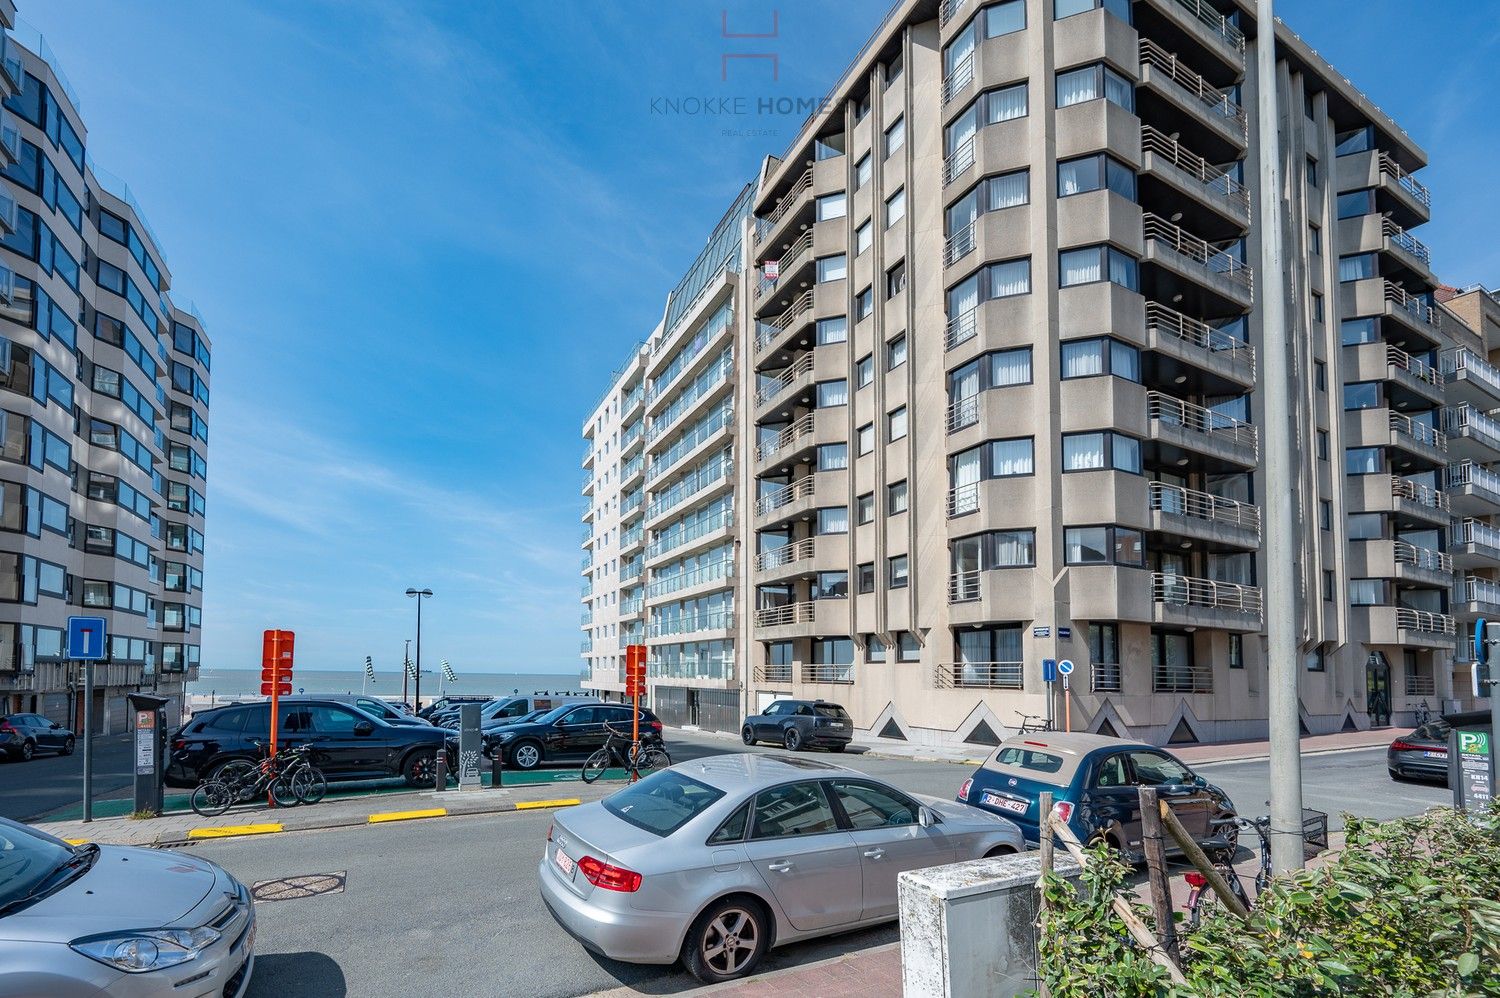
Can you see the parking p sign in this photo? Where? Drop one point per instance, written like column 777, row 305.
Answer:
column 86, row 639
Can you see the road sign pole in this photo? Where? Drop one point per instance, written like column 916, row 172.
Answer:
column 88, row 741
column 1067, row 705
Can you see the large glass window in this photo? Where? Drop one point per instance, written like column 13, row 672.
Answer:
column 1100, row 356
column 1357, row 267
column 833, row 457
column 833, row 520
column 1364, row 526
column 1358, row 140
column 895, row 208
column 1103, row 546
column 1353, row 204
column 1093, row 264
column 1067, row 8
column 832, row 268
column 989, row 108
column 1092, row 173
column 1093, row 82
column 896, row 424
column 1362, row 395
column 1094, row 451
column 834, row 329
column 995, row 549
column 1362, row 330
column 897, row 572
column 831, row 206
column 895, row 136
column 1366, row 592
column 1364, row 460
column 833, row 393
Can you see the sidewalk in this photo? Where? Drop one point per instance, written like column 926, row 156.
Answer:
column 181, row 828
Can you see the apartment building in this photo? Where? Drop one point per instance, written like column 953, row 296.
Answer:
column 1003, row 340
column 105, row 418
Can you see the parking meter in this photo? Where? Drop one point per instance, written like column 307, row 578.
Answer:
column 150, row 744
column 468, row 746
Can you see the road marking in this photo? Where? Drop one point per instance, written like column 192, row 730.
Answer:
column 1305, row 754
column 527, row 805
column 433, row 812
column 76, row 842
column 226, row 831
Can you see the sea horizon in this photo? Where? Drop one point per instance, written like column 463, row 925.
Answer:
column 246, row 682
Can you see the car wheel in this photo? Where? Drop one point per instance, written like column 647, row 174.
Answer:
column 747, row 735
column 28, row 749
column 727, row 941
column 67, row 747
column 527, row 755
column 792, row 739
column 999, row 851
column 420, row 769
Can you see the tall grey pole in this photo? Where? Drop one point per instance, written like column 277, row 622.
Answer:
column 88, row 741
column 1281, row 558
column 417, row 696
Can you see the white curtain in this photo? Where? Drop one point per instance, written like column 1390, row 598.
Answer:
column 1119, row 90
column 1083, row 451
column 1003, row 105
column 961, row 48
column 1011, row 457
column 833, row 330
column 1009, row 190
column 1013, row 278
column 965, row 383
column 1012, row 547
column 831, row 393
column 966, row 469
column 1082, row 358
column 1078, row 176
column 964, row 298
column 1010, row 367
column 1124, row 361
column 1081, row 266
column 833, row 520
column 1077, row 86
column 831, row 268
column 959, row 133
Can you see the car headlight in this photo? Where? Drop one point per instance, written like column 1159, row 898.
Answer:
column 504, row 736
column 154, row 949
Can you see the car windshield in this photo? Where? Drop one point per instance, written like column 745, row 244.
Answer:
column 663, row 802
column 26, row 860
column 1029, row 759
column 831, row 710
column 555, row 713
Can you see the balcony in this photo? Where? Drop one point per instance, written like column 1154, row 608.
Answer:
column 959, row 80
column 787, row 615
column 788, row 443
column 1167, row 160
column 1183, row 254
column 963, row 500
column 689, row 536
column 1206, row 358
column 957, row 163
column 1476, row 597
column 630, row 608
column 1415, row 502
column 1399, row 625
column 1404, row 186
column 787, row 209
column 632, row 502
column 795, row 378
column 631, row 571
column 1182, row 428
column 1471, row 489
column 789, row 501
column 717, row 621
column 1415, row 439
column 1401, row 243
column 782, row 561
column 632, row 402
column 706, row 385
column 815, row 672
column 710, row 428
column 948, row 9
column 630, row 469
column 1412, row 311
column 1191, row 602
column 1421, row 566
column 714, row 575
column 780, row 333
column 633, row 437
column 1471, row 379
column 631, row 539
column 693, row 486
column 959, row 245
column 588, row 483
column 1177, row 96
column 1474, row 544
column 1200, row 20
column 979, row 675
column 778, row 675
column 1202, row 516
column 792, row 258
column 10, row 139
column 1472, row 435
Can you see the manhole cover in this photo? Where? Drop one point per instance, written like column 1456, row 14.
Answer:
column 306, row 886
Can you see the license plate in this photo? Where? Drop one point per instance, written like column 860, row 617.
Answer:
column 837, row 724
column 1435, row 755
column 1004, row 803
column 564, row 863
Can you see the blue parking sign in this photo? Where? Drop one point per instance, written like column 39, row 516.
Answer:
column 86, row 639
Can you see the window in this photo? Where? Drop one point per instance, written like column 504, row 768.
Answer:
column 995, row 549
column 1067, row 8
column 1152, row 769
column 1104, row 657
column 829, row 146
column 733, row 828
column 1353, row 332
column 1315, row 660
column 1364, row 526
column 864, row 304
column 895, row 498
column 832, row 268
column 1357, row 267
column 895, row 424
column 1093, row 173
column 665, row 801
column 833, row 457
column 989, row 108
column 1312, row 169
column 866, row 576
column 1100, row 356
column 1322, row 441
column 833, row 393
column 1325, row 514
column 1328, row 585
column 1314, row 240
column 895, row 136
column 1007, row 190
column 863, row 237
column 861, row 107
column 862, row 172
column 893, row 68
column 895, row 208
column 895, row 280
column 1366, row 592
column 1317, row 307
column 1361, row 395
column 1097, row 263
column 1358, row 140
column 907, row 649
column 1353, row 204
column 834, row 329
column 1364, row 460
column 1092, row 451
column 1320, row 375
column 865, row 507
column 831, row 585
column 993, row 459
column 865, row 437
column 831, row 206
column 896, row 574
column 794, row 809
column 1088, row 83
column 864, row 371
column 998, row 280
column 895, row 353
column 833, row 520
column 1108, row 545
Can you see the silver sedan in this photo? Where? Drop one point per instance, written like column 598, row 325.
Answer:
column 715, row 861
column 90, row 921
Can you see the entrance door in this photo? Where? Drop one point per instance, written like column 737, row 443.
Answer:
column 692, row 708
column 1378, row 690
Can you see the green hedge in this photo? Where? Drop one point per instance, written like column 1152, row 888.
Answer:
column 1410, row 907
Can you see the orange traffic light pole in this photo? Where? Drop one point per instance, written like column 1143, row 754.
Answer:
column 635, row 679
column 276, row 665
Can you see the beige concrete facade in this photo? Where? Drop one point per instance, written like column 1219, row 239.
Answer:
column 105, row 419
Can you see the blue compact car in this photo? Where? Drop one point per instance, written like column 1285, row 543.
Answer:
column 1095, row 783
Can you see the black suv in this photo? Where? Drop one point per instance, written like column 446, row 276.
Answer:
column 348, row 744
column 798, row 724
column 569, row 733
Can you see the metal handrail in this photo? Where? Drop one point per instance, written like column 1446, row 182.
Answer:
column 1461, row 359
column 818, row 672
column 801, row 368
column 1165, row 409
column 787, row 263
column 768, row 331
column 963, row 500
column 789, row 199
column 963, row 412
column 948, row 9
column 1195, row 85
column 959, row 245
column 957, row 163
column 790, row 613
column 1420, row 432
column 787, row 554
column 689, row 487
column 1474, row 475
column 959, row 79
column 1400, row 360
column 687, row 535
column 708, row 620
column 965, row 587
column 1408, row 183
column 961, row 328
column 1213, row 179
column 802, row 488
column 1170, row 322
column 1183, row 590
column 786, row 438
column 1408, row 619
column 979, row 675
column 1472, row 531
column 1201, row 252
column 1464, row 417
column 712, row 572
column 1104, row 677
column 773, row 673
column 1424, row 558
column 1419, row 494
column 1472, row 589
column 1170, row 678
column 1162, row 497
column 1217, row 23
column 1412, row 305
column 1400, row 237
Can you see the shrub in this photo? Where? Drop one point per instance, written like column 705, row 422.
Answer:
column 1410, row 907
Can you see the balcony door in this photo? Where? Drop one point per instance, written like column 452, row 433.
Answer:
column 1378, row 690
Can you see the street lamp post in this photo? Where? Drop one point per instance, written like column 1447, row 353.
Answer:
column 420, row 595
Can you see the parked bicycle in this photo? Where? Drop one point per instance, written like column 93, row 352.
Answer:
column 288, row 777
column 1198, row 889
column 1035, row 722
column 620, row 750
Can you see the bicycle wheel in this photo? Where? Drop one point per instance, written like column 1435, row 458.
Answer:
column 282, row 793
column 212, row 799
column 239, row 775
column 651, row 757
column 309, row 784
column 595, row 766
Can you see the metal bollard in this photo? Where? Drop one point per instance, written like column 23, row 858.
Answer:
column 497, row 759
column 440, row 773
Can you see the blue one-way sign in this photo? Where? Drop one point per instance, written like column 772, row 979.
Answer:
column 86, row 639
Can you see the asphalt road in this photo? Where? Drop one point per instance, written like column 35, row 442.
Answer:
column 29, row 790
column 451, row 906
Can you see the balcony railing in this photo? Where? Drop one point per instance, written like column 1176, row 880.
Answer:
column 768, row 390
column 1419, row 494
column 686, row 535
column 781, row 616
column 632, row 502
column 963, row 412
column 965, row 587
column 963, row 500
column 786, row 439
column 1194, row 332
column 948, row 9
column 1185, row 591
column 787, row 554
column 1465, row 419
column 1423, row 558
column 1168, row 677
column 1183, row 243
column 959, row 79
column 1476, row 532
column 788, row 262
column 957, row 163
column 706, row 429
column 1399, row 360
column 689, row 487
column 1467, row 473
column 632, row 400
column 1407, row 182
column 785, row 204
column 631, row 571
column 820, row 673
column 1419, row 310
column 773, row 673
column 1178, row 501
column 1105, row 677
column 802, row 488
column 1215, row 22
column 1215, row 101
column 712, row 572
column 959, row 245
column 631, row 468
column 1214, row 180
column 1166, row 410
column 1420, row 432
column 1418, row 685
column 979, row 675
column 768, row 331
column 1405, row 240
column 1460, row 360
column 1423, row 620
column 631, row 607
column 630, row 436
column 1472, row 589
column 704, row 383
column 709, row 620
column 961, row 328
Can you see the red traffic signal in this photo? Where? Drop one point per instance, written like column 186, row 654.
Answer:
column 280, row 689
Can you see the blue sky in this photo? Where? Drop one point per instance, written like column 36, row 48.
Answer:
column 422, row 234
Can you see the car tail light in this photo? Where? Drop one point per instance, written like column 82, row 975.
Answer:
column 963, row 791
column 1401, row 746
column 1195, row 879
column 656, row 726
column 5, row 726
column 611, row 878
column 1063, row 810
